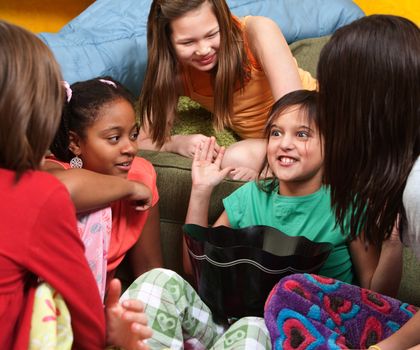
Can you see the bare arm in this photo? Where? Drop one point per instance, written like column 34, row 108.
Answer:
column 206, row 174
column 146, row 254
column 365, row 259
column 272, row 52
column 87, row 192
column 388, row 273
column 379, row 271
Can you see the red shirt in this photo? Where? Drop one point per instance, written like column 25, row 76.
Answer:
column 128, row 223
column 38, row 238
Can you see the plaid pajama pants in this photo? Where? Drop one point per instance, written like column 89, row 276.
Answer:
column 179, row 318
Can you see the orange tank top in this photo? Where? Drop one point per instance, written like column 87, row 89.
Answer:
column 251, row 105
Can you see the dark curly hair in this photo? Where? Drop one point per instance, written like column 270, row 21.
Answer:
column 87, row 99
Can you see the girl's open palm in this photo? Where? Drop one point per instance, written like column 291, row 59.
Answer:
column 206, row 171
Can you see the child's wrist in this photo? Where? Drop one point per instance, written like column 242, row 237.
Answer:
column 201, row 190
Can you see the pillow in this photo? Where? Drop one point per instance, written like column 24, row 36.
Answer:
column 235, row 269
column 109, row 37
column 301, row 19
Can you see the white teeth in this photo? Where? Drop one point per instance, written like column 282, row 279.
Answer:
column 287, row 160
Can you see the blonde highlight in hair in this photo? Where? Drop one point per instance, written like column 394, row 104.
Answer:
column 159, row 94
column 31, row 98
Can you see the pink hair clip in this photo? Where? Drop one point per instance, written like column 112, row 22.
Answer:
column 68, row 90
column 109, row 82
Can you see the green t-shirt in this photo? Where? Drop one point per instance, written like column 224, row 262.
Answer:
column 310, row 216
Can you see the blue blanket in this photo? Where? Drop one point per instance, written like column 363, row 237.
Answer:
column 109, row 37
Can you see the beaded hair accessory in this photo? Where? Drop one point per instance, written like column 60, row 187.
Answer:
column 68, row 90
column 108, row 82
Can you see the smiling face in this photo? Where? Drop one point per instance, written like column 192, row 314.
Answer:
column 294, row 153
column 110, row 143
column 196, row 38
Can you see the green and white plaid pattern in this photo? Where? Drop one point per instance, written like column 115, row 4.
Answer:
column 178, row 317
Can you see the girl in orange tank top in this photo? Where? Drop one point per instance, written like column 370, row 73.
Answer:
column 234, row 68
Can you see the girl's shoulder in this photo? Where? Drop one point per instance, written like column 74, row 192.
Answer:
column 142, row 165
column 254, row 28
column 142, row 170
column 254, row 24
column 34, row 184
column 52, row 162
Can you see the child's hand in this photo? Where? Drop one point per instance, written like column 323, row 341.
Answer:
column 126, row 323
column 185, row 145
column 205, row 171
column 141, row 196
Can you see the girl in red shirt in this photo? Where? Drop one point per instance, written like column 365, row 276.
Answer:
column 97, row 138
column 38, row 238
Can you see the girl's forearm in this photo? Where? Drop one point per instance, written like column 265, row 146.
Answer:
column 387, row 276
column 197, row 213
column 198, row 207
column 90, row 190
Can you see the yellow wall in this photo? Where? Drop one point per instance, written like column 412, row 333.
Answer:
column 51, row 15
column 42, row 15
column 404, row 8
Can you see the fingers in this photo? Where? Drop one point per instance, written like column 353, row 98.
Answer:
column 243, row 174
column 197, row 152
column 219, row 157
column 143, row 331
column 395, row 234
column 206, row 148
column 225, row 171
column 136, row 317
column 133, row 305
column 114, row 292
column 142, row 205
column 141, row 345
column 210, row 149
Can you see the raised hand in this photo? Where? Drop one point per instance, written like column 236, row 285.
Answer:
column 206, row 170
column 126, row 322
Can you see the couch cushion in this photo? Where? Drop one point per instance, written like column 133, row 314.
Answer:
column 408, row 291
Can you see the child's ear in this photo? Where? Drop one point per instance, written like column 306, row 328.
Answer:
column 74, row 144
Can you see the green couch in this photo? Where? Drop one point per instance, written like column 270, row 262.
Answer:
column 174, row 184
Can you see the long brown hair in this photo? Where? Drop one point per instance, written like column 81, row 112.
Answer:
column 369, row 109
column 159, row 94
column 31, row 98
